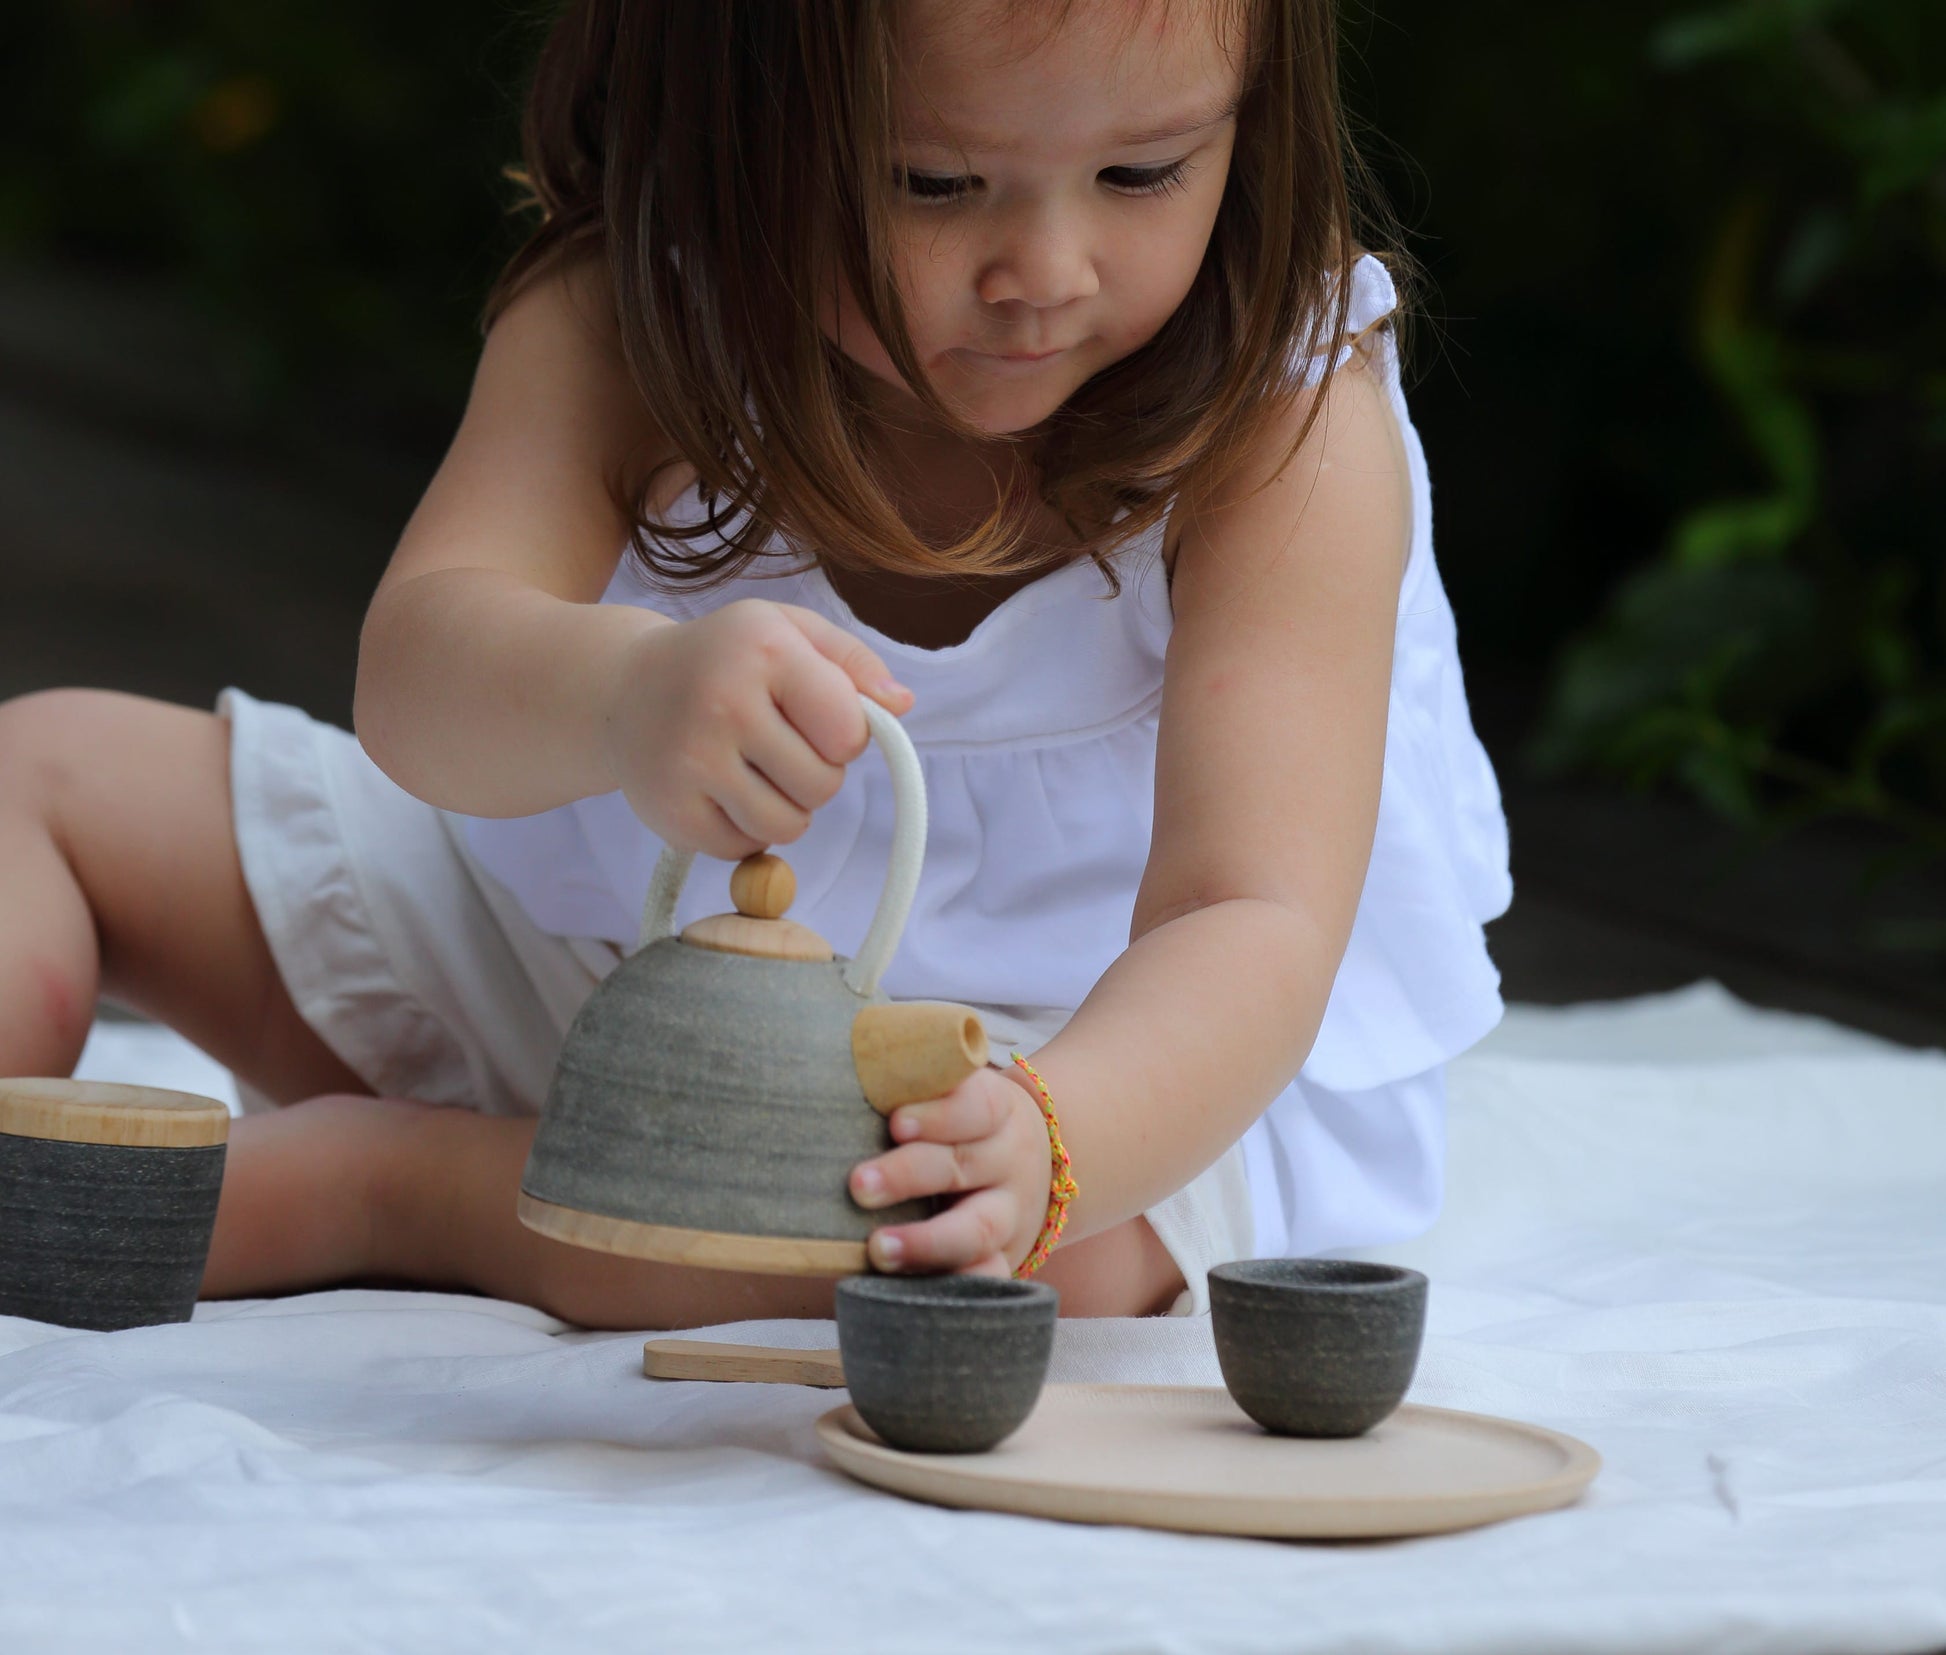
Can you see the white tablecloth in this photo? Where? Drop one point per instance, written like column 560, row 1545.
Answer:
column 1710, row 1241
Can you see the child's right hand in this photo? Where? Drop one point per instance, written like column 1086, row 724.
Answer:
column 726, row 732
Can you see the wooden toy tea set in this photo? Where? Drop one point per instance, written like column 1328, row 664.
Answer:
column 1305, row 1439
column 709, row 1103
column 707, row 1107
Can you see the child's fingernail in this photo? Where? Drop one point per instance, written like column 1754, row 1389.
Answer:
column 889, row 690
column 887, row 1251
column 904, row 1126
column 870, row 1181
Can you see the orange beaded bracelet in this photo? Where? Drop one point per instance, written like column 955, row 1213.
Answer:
column 1061, row 1186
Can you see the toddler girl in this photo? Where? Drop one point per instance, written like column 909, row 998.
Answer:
column 1013, row 365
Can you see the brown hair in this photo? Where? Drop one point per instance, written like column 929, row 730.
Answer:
column 724, row 155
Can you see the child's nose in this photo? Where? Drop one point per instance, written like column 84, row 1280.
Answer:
column 1041, row 263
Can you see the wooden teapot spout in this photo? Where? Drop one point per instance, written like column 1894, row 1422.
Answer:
column 915, row 1049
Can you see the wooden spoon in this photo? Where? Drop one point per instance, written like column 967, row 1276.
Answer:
column 749, row 1364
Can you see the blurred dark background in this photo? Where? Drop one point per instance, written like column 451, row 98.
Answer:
column 1679, row 364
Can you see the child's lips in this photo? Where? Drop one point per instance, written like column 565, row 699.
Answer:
column 1011, row 362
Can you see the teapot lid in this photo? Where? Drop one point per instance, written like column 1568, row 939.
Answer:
column 762, row 887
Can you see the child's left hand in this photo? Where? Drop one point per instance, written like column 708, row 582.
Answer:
column 984, row 1142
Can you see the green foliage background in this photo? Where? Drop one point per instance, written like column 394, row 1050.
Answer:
column 1690, row 431
column 1682, row 372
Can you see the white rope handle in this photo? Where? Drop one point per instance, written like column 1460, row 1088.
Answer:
column 908, row 851
column 901, row 873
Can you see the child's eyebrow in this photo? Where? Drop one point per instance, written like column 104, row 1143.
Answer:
column 1180, row 127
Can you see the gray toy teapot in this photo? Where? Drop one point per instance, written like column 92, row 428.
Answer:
column 714, row 1093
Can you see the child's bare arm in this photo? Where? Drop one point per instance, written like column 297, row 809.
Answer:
column 490, row 680
column 1267, row 780
column 484, row 657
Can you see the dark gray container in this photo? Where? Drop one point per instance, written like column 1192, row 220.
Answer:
column 1317, row 1347
column 945, row 1364
column 107, row 1201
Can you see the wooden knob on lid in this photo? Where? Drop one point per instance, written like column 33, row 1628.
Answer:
column 762, row 887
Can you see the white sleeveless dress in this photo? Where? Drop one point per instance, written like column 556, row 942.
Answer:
column 1037, row 739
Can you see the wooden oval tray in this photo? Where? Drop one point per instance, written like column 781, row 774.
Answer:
column 1187, row 1457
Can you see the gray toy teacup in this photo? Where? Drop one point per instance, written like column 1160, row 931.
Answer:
column 1317, row 1347
column 945, row 1364
column 714, row 1093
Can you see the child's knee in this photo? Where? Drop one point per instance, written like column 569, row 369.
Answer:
column 62, row 747
column 38, row 733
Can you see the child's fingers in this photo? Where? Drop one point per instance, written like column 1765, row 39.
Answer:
column 709, row 828
column 976, row 1108
column 790, row 764
column 965, row 1140
column 850, row 652
column 913, row 1170
column 816, row 700
column 756, row 808
column 971, row 1234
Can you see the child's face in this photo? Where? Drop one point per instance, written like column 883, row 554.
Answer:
column 1058, row 190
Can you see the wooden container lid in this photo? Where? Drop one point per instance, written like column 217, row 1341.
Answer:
column 101, row 1112
column 762, row 887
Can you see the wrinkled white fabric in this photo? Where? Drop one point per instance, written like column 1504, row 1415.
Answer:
column 1037, row 737
column 1706, row 1241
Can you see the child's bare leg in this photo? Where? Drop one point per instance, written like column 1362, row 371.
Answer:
column 340, row 1188
column 299, row 1205
column 343, row 1188
column 119, row 876
column 448, row 1220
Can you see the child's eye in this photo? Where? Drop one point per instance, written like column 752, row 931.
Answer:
column 1144, row 180
column 933, row 186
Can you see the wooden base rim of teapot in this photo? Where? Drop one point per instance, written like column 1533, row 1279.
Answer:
column 706, row 1249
